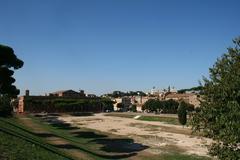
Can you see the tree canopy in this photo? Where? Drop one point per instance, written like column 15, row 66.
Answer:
column 155, row 105
column 193, row 89
column 219, row 114
column 8, row 61
column 182, row 113
column 118, row 94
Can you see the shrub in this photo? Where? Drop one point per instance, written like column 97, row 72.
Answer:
column 182, row 113
column 133, row 108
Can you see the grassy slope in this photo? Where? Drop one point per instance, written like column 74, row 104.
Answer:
column 15, row 148
column 16, row 143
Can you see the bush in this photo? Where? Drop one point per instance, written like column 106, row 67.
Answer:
column 154, row 105
column 133, row 108
column 182, row 113
column 107, row 104
column 68, row 105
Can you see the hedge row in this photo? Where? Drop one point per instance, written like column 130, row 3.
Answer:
column 67, row 105
column 168, row 106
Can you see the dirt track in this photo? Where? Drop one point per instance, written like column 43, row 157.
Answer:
column 158, row 136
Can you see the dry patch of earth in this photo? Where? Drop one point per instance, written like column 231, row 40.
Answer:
column 160, row 137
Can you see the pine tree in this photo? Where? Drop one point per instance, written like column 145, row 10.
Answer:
column 8, row 62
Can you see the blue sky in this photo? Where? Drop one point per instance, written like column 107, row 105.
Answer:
column 107, row 45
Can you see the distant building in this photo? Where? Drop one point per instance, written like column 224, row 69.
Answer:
column 187, row 97
column 173, row 90
column 27, row 102
column 68, row 93
column 125, row 101
column 91, row 95
column 154, row 91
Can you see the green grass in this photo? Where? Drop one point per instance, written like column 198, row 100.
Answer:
column 18, row 143
column 168, row 120
column 15, row 148
column 120, row 115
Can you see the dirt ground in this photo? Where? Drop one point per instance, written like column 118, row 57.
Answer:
column 160, row 137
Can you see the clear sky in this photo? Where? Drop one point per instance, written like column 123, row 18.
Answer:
column 106, row 45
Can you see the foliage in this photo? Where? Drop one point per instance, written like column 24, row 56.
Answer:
column 5, row 107
column 182, row 113
column 198, row 89
column 117, row 94
column 190, row 107
column 155, row 105
column 8, row 62
column 219, row 114
column 68, row 105
column 133, row 108
column 107, row 104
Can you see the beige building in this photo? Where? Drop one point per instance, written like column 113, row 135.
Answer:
column 187, row 97
column 126, row 102
column 140, row 100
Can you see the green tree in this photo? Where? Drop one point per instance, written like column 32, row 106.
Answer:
column 133, row 108
column 155, row 105
column 219, row 114
column 107, row 104
column 8, row 63
column 182, row 113
column 151, row 105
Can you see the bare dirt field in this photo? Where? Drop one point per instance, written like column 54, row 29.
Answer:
column 160, row 137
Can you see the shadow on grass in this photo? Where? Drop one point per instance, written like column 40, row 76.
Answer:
column 66, row 146
column 59, row 124
column 123, row 145
column 82, row 114
column 85, row 134
column 63, row 125
column 45, row 114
